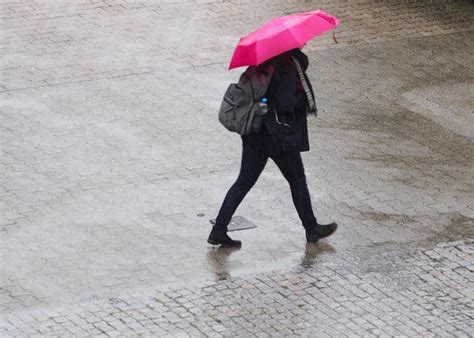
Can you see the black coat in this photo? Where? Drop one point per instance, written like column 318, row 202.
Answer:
column 287, row 97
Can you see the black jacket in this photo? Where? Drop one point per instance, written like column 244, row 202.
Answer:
column 287, row 97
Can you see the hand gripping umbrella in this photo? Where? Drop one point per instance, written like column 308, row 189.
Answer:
column 280, row 35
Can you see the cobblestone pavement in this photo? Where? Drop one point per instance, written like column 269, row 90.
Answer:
column 419, row 293
column 111, row 152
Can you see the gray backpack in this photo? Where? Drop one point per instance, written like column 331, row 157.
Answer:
column 240, row 110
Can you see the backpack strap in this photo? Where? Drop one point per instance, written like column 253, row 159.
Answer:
column 260, row 77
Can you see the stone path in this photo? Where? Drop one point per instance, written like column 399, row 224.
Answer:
column 113, row 161
column 417, row 293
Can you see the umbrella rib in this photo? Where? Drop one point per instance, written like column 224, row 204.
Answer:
column 294, row 36
column 258, row 45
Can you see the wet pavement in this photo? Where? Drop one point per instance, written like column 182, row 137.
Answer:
column 114, row 162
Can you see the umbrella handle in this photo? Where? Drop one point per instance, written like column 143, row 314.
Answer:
column 334, row 37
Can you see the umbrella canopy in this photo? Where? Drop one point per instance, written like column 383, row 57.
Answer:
column 280, row 35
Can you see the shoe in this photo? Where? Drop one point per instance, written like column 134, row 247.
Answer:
column 219, row 236
column 319, row 231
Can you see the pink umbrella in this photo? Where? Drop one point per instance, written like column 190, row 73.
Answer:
column 281, row 35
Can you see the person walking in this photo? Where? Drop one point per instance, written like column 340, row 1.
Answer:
column 282, row 137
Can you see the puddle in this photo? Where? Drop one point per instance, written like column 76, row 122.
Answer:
column 219, row 262
column 385, row 217
column 458, row 227
column 314, row 253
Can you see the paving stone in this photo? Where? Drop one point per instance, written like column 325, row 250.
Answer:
column 110, row 150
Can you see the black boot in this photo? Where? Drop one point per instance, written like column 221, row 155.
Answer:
column 219, row 236
column 318, row 231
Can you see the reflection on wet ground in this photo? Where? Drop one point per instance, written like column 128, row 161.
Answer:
column 218, row 259
column 222, row 263
column 311, row 253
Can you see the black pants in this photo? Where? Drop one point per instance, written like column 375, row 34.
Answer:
column 254, row 158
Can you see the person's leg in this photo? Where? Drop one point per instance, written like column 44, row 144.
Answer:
column 291, row 166
column 253, row 162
